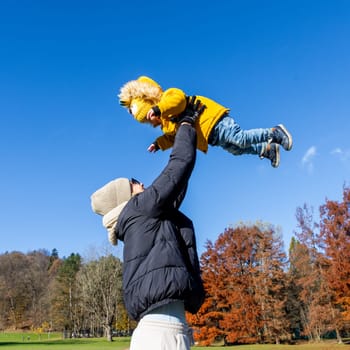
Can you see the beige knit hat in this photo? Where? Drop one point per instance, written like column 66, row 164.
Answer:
column 109, row 201
column 111, row 195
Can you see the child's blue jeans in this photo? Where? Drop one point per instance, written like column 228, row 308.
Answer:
column 229, row 135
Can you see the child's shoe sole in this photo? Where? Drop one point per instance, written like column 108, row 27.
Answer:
column 287, row 146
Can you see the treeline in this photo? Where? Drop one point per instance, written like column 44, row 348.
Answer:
column 42, row 293
column 254, row 292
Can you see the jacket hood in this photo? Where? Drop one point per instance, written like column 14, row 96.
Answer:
column 110, row 221
column 143, row 88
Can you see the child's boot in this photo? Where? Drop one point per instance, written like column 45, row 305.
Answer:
column 281, row 135
column 272, row 152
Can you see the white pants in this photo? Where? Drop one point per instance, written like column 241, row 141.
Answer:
column 160, row 335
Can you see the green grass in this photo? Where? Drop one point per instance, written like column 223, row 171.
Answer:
column 32, row 341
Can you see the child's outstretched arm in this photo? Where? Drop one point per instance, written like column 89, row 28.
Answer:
column 162, row 142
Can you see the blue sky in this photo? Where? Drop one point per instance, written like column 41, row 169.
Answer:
column 63, row 134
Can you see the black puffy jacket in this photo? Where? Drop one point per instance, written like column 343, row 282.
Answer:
column 160, row 255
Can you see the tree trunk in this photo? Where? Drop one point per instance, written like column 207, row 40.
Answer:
column 109, row 335
column 339, row 339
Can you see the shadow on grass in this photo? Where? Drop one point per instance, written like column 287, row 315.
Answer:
column 43, row 342
column 59, row 342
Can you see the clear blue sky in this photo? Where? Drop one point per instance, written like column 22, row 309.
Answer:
column 63, row 134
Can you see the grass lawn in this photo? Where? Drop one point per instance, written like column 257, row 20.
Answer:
column 31, row 341
column 34, row 341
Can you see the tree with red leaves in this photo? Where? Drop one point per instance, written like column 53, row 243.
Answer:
column 335, row 239
column 243, row 274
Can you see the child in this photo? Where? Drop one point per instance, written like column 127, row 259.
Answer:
column 148, row 103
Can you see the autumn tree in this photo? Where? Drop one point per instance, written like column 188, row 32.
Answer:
column 37, row 282
column 295, row 308
column 306, row 263
column 270, row 284
column 101, row 291
column 23, row 281
column 244, row 281
column 14, row 297
column 335, row 239
column 206, row 323
column 317, row 309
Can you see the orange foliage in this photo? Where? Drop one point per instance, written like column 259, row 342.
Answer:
column 243, row 278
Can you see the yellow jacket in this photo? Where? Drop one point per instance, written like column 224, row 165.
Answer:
column 172, row 103
column 144, row 93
